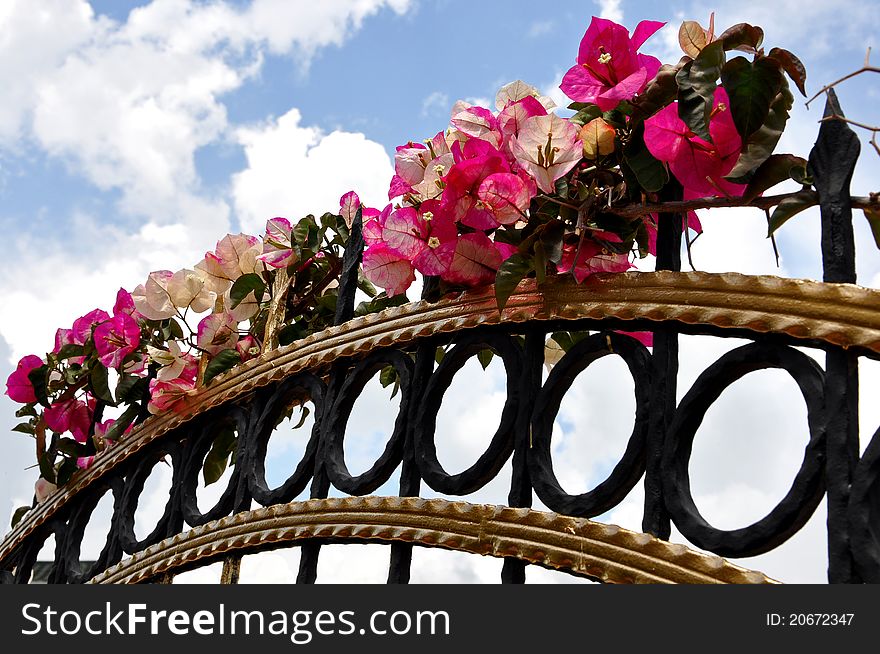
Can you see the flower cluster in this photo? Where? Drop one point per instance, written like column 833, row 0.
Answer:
column 499, row 195
column 173, row 333
column 520, row 191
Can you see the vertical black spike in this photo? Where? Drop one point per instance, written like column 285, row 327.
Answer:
column 832, row 162
column 400, row 565
column 664, row 374
column 348, row 281
column 514, row 570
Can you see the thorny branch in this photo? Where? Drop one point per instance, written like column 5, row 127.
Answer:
column 636, row 210
column 866, row 68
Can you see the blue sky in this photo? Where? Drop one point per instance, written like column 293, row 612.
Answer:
column 134, row 135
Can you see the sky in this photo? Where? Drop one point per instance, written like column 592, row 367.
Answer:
column 134, row 135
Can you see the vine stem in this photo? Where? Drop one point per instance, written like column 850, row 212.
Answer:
column 766, row 202
column 867, row 68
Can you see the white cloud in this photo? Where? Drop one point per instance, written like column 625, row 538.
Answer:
column 126, row 106
column 610, row 9
column 540, row 28
column 35, row 42
column 295, row 170
column 436, row 103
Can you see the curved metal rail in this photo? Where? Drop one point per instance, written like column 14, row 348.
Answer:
column 582, row 547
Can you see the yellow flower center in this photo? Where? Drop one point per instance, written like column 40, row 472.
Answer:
column 605, row 58
column 428, row 216
column 433, row 242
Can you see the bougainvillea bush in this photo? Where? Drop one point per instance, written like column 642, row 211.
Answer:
column 502, row 193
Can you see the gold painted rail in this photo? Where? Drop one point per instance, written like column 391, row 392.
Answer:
column 590, row 549
column 840, row 314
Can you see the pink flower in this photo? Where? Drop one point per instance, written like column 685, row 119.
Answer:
column 247, row 348
column 475, row 260
column 699, row 166
column 547, row 147
column 506, row 196
column 425, row 236
column 101, row 429
column 478, row 160
column 18, row 386
column 151, row 299
column 278, row 244
column 609, row 69
column 116, row 339
column 84, row 462
column 650, row 221
column 234, row 256
column 348, row 206
column 645, row 338
column 173, row 363
column 592, row 258
column 82, row 327
column 513, row 117
column 386, row 267
column 43, row 489
column 217, row 332
column 478, row 123
column 169, row 395
column 191, row 289
column 373, row 222
column 125, row 304
column 70, row 415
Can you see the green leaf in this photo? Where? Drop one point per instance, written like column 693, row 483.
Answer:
column 561, row 187
column 509, row 275
column 485, row 357
column 585, row 115
column 563, row 339
column 388, row 376
column 19, row 514
column 221, row 362
column 660, row 91
column 70, row 447
column 244, row 286
column 301, row 230
column 47, row 467
column 174, row 329
column 25, row 428
column 130, row 388
column 551, row 240
column 650, row 173
column 366, row 286
column 98, row 383
column 697, row 82
column 789, row 207
column 751, row 88
column 777, row 168
column 39, row 378
column 216, row 461
column 760, row 145
column 117, row 429
column 65, row 472
column 25, row 411
column 873, row 216
column 439, row 354
column 328, row 220
column 742, row 36
column 792, row 66
column 69, row 350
